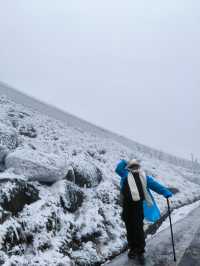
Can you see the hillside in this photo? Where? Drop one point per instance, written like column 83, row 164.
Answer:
column 59, row 194
column 76, row 122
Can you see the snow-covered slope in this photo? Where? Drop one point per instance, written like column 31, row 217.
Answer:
column 59, row 194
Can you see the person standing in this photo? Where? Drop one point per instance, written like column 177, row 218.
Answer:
column 138, row 203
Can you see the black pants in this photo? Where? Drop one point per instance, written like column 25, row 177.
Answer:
column 133, row 217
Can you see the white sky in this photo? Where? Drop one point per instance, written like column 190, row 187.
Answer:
column 131, row 67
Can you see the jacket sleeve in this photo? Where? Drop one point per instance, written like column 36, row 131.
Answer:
column 122, row 171
column 157, row 187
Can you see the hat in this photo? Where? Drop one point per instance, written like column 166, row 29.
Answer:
column 133, row 162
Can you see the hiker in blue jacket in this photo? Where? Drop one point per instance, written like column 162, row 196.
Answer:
column 138, row 203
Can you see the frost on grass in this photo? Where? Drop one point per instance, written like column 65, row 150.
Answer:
column 8, row 137
column 28, row 131
column 8, row 142
column 59, row 195
column 71, row 197
column 15, row 194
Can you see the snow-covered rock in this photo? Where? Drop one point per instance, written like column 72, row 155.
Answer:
column 85, row 173
column 36, row 165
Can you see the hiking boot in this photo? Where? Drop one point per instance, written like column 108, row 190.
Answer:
column 132, row 253
column 141, row 258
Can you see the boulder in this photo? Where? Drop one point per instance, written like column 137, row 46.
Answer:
column 85, row 173
column 34, row 165
column 15, row 194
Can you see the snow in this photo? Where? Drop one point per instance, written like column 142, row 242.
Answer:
column 46, row 149
column 8, row 136
column 36, row 165
column 178, row 215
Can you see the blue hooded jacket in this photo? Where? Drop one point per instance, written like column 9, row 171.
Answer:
column 150, row 213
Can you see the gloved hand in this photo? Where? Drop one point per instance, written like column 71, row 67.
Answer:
column 168, row 194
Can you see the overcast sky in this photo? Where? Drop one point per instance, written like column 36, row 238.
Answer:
column 130, row 66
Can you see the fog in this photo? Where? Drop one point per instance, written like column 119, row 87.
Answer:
column 132, row 68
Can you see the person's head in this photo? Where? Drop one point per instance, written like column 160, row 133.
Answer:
column 133, row 165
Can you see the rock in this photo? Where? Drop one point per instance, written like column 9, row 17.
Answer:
column 17, row 114
column 15, row 194
column 70, row 175
column 86, row 173
column 34, row 165
column 72, row 197
column 28, row 131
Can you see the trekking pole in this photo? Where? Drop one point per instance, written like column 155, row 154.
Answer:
column 169, row 212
